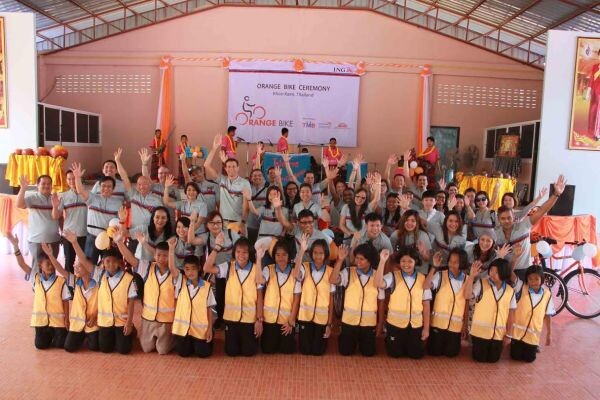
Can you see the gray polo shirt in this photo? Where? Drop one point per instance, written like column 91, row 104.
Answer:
column 225, row 254
column 519, row 235
column 259, row 196
column 432, row 217
column 118, row 191
column 210, row 192
column 315, row 235
column 380, row 241
column 75, row 210
column 141, row 209
column 100, row 211
column 42, row 227
column 269, row 224
column 159, row 189
column 317, row 191
column 313, row 207
column 484, row 222
column 232, row 197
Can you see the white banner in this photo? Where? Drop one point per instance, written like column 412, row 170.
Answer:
column 316, row 104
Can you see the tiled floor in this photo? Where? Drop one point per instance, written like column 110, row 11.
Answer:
column 569, row 369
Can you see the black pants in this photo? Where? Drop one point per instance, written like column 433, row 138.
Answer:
column 273, row 340
column 75, row 340
column 91, row 252
column 46, row 337
column 522, row 351
column 70, row 252
column 352, row 337
column 443, row 342
column 220, row 284
column 189, row 345
column 111, row 339
column 311, row 338
column 486, row 350
column 240, row 339
column 403, row 342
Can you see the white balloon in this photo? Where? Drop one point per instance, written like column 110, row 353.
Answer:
column 543, row 248
column 114, row 222
column 195, row 154
column 590, row 250
column 264, row 242
column 413, row 164
column 578, row 253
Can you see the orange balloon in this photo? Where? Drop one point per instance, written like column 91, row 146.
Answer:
column 418, row 170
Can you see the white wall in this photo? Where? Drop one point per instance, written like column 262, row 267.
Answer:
column 19, row 30
column 581, row 167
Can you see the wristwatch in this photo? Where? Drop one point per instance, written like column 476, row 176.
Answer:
column 260, row 319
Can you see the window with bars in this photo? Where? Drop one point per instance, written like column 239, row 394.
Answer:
column 486, row 96
column 104, row 84
column 528, row 132
column 60, row 125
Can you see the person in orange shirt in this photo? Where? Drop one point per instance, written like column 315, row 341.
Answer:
column 282, row 144
column 228, row 144
column 332, row 153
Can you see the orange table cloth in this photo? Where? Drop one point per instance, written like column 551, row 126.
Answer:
column 10, row 215
column 480, row 182
column 569, row 229
column 34, row 166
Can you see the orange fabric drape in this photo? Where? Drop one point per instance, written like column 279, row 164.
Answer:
column 163, row 119
column 10, row 215
column 569, row 229
column 424, row 107
column 34, row 166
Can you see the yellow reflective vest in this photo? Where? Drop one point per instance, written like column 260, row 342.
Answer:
column 240, row 297
column 449, row 306
column 360, row 302
column 491, row 315
column 191, row 313
column 48, row 309
column 529, row 320
column 315, row 297
column 278, row 299
column 112, row 303
column 83, row 309
column 406, row 305
column 159, row 298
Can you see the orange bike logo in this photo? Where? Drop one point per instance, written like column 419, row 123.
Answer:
column 252, row 114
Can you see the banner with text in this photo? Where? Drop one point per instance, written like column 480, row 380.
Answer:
column 315, row 104
column 300, row 163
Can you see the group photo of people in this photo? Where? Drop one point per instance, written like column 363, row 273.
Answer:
column 282, row 267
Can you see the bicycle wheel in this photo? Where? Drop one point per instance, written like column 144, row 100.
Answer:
column 584, row 293
column 558, row 288
column 338, row 301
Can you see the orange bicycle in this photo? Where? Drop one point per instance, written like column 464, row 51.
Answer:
column 575, row 287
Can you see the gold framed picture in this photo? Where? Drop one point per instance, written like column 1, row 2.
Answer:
column 584, row 132
column 509, row 146
column 3, row 96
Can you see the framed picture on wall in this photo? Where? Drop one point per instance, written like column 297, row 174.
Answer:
column 509, row 146
column 3, row 97
column 584, row 132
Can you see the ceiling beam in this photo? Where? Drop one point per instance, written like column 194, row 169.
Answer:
column 467, row 15
column 93, row 15
column 561, row 21
column 45, row 14
column 507, row 20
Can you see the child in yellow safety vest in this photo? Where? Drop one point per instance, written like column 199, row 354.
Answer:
column 243, row 313
column 159, row 296
column 281, row 303
column 194, row 316
column 494, row 310
column 316, row 301
column 116, row 295
column 535, row 309
column 407, row 322
column 50, row 316
column 450, row 309
column 84, row 306
column 362, row 300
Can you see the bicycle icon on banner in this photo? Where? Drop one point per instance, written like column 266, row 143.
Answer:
column 249, row 111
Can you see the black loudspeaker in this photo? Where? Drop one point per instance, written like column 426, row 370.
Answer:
column 564, row 204
column 4, row 186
